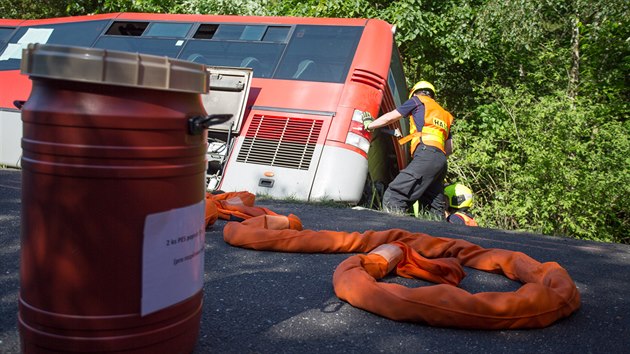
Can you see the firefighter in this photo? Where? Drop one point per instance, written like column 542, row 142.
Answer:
column 430, row 137
column 459, row 199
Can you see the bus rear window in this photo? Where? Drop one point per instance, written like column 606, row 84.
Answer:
column 319, row 53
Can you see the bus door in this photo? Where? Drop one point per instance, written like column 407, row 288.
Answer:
column 229, row 90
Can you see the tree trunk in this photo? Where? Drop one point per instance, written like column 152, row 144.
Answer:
column 574, row 73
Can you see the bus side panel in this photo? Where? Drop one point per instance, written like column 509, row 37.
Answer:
column 339, row 181
column 10, row 138
column 342, row 170
column 367, row 78
column 15, row 86
column 274, row 181
column 377, row 38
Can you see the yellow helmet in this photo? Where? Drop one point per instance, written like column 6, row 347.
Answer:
column 459, row 196
column 422, row 85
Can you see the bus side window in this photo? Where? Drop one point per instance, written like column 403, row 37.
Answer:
column 251, row 62
column 197, row 58
column 306, row 69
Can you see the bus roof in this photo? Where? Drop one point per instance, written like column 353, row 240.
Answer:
column 10, row 22
column 200, row 18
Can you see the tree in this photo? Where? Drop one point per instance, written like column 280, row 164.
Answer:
column 544, row 141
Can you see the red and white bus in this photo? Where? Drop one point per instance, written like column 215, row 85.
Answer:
column 298, row 133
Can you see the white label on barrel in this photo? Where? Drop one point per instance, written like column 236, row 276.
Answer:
column 172, row 256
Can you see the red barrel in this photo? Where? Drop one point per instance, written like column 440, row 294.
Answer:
column 113, row 186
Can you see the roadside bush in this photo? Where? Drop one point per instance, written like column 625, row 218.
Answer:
column 547, row 165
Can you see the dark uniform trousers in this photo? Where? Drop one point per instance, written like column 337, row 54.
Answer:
column 422, row 180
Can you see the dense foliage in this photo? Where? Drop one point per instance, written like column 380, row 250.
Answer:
column 539, row 90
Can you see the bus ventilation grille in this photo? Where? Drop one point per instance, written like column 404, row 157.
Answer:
column 280, row 141
column 368, row 78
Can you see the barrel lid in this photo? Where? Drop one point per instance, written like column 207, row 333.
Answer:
column 113, row 67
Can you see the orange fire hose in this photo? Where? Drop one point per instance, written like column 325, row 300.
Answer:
column 232, row 206
column 548, row 293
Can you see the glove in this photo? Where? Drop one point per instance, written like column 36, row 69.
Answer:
column 367, row 118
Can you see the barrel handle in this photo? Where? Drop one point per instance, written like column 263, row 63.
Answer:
column 18, row 104
column 197, row 124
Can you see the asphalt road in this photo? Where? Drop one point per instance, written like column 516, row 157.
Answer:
column 273, row 302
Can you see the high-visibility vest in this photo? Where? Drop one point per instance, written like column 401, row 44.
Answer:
column 468, row 220
column 435, row 128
